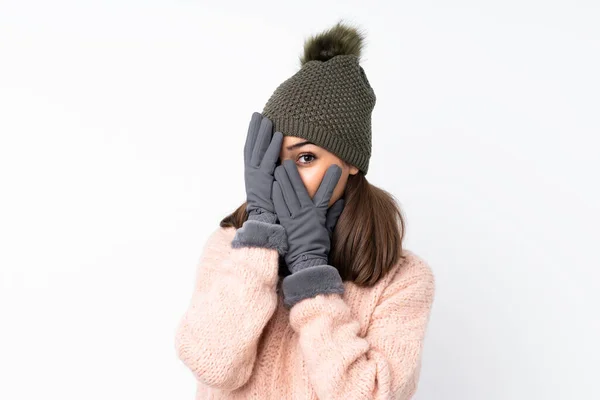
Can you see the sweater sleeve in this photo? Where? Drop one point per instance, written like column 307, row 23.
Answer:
column 385, row 363
column 234, row 297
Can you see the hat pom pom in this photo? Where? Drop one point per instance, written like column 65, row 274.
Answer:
column 341, row 39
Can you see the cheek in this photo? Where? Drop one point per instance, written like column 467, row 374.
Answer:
column 339, row 189
column 311, row 177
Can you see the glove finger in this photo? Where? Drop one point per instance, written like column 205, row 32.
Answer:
column 269, row 161
column 297, row 184
column 265, row 133
column 279, row 202
column 289, row 194
column 251, row 136
column 328, row 184
column 333, row 214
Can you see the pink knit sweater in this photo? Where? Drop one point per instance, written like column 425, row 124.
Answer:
column 364, row 344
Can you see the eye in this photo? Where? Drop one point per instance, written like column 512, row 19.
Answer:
column 311, row 157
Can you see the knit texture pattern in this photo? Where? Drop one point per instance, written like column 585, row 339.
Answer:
column 328, row 103
column 240, row 342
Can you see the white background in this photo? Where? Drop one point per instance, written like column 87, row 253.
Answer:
column 122, row 127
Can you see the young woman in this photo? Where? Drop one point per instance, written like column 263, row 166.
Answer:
column 305, row 291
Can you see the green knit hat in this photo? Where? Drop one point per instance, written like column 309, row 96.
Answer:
column 329, row 101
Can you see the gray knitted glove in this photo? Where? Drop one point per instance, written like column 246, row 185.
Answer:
column 308, row 225
column 305, row 220
column 261, row 153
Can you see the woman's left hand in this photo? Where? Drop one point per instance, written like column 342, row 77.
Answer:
column 308, row 222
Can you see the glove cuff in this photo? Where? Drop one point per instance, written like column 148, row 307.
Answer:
column 261, row 234
column 310, row 282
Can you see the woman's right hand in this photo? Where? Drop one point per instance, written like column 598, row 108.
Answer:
column 261, row 153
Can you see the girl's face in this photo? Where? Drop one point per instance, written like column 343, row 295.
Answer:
column 312, row 162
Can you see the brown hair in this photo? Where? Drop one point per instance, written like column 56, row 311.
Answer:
column 367, row 239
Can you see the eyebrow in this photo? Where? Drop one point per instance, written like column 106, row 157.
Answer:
column 299, row 144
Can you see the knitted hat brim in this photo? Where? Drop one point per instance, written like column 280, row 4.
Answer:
column 319, row 136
